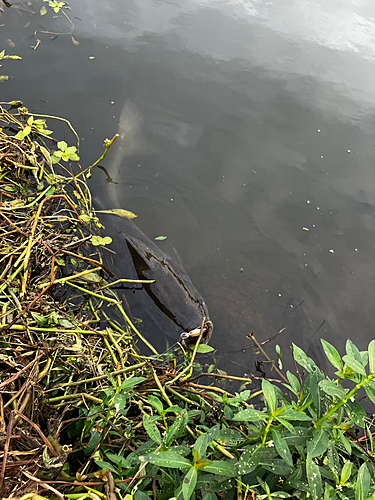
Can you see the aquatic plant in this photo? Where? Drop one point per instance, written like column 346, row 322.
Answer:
column 84, row 414
column 3, row 78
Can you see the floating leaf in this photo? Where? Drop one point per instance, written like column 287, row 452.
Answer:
column 98, row 240
column 75, row 42
column 91, row 57
column 125, row 214
column 161, row 238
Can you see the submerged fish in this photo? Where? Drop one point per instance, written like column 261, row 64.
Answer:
column 173, row 293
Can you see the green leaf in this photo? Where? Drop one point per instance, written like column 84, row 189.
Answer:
column 354, row 364
column 2, row 53
column 346, row 472
column 332, row 355
column 202, row 443
column 302, row 359
column 98, row 240
column 188, row 483
column 177, row 428
column 30, row 120
column 356, row 413
column 345, row 442
column 319, row 443
column 19, row 136
column 281, row 447
column 151, row 429
column 203, row 348
column 332, row 389
column 161, row 238
column 294, row 382
column 371, row 356
column 249, row 415
column 106, row 465
column 62, row 145
column 70, row 150
column 125, row 214
column 222, row 468
column 167, row 459
column 156, row 403
column 131, row 382
column 26, row 131
column 229, row 437
column 314, row 478
column 269, row 395
column 290, row 414
column 43, row 10
column 362, row 486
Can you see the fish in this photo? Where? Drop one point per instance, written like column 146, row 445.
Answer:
column 177, row 307
column 131, row 140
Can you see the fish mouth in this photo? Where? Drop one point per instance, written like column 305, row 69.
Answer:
column 192, row 336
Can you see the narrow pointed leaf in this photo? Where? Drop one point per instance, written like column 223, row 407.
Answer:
column 281, row 447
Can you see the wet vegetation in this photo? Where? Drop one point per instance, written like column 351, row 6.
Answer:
column 83, row 414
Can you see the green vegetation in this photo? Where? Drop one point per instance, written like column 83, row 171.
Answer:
column 85, row 415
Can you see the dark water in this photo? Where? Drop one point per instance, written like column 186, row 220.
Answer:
column 250, row 144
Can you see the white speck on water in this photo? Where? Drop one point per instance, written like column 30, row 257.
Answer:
column 331, row 250
column 112, row 102
column 348, row 150
column 318, row 130
column 313, row 225
column 305, row 265
column 171, row 199
column 308, row 202
column 317, row 208
column 279, row 294
column 321, row 156
column 356, row 249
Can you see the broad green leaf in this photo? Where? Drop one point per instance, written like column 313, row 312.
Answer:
column 43, row 10
column 19, row 136
column 329, row 492
column 140, row 495
column 222, row 468
column 30, row 120
column 332, row 355
column 249, row 415
column 302, row 359
column 293, row 381
column 332, row 389
column 131, row 382
column 151, row 429
column 229, row 437
column 281, row 447
column 355, row 365
column 188, row 483
column 314, row 478
column 167, row 459
column 319, row 443
column 156, row 403
column 62, row 145
column 362, row 486
column 356, row 413
column 177, row 428
column 70, row 150
column 290, row 414
column 202, row 443
column 106, row 465
column 370, row 393
column 269, row 395
column 346, row 472
column 203, row 348
column 371, row 356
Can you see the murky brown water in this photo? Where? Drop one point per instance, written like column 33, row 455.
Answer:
column 250, row 145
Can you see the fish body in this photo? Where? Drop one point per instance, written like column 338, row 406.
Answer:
column 178, row 307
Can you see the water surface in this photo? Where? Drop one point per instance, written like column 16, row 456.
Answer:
column 251, row 148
